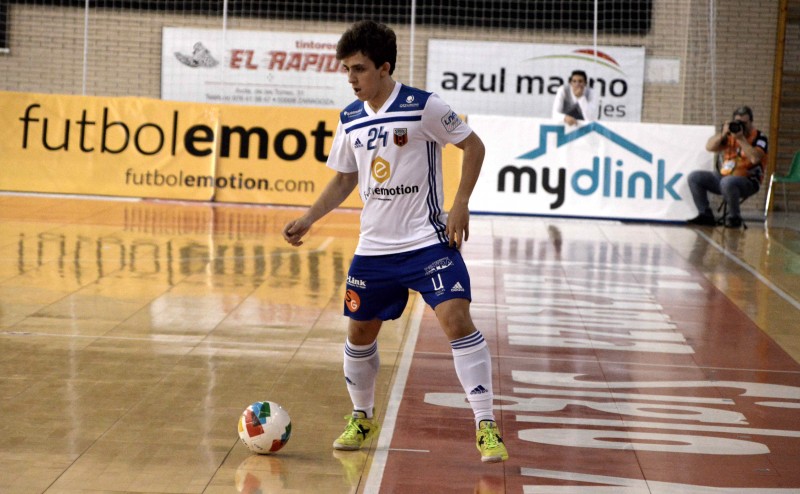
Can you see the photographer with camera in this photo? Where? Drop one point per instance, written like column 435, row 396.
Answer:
column 743, row 149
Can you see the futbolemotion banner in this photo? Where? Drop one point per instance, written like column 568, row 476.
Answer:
column 129, row 147
column 611, row 170
column 139, row 147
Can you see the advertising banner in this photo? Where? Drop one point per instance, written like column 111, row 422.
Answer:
column 107, row 146
column 252, row 67
column 137, row 147
column 609, row 170
column 273, row 155
column 521, row 79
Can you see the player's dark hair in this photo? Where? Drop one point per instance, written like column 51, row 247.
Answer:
column 376, row 41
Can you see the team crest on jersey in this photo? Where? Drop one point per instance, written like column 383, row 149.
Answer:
column 400, row 137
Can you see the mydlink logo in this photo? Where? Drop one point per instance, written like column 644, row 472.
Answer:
column 606, row 176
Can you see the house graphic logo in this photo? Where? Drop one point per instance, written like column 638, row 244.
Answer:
column 606, row 175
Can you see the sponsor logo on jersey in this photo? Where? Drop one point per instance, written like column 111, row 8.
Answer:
column 410, row 103
column 386, row 193
column 457, row 287
column 381, row 170
column 438, row 265
column 451, row 121
column 353, row 113
column 358, row 143
column 352, row 301
column 400, row 137
column 356, row 282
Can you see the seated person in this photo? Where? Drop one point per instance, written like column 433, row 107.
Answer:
column 744, row 157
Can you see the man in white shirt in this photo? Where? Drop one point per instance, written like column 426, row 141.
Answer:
column 575, row 101
column 389, row 143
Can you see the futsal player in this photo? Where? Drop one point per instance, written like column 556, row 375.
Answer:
column 388, row 143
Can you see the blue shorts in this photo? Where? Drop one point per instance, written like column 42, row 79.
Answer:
column 377, row 286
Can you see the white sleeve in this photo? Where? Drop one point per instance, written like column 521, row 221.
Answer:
column 342, row 159
column 442, row 124
column 558, row 104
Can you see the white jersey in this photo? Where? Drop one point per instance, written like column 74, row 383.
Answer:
column 397, row 152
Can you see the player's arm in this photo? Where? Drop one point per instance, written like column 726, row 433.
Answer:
column 337, row 190
column 458, row 217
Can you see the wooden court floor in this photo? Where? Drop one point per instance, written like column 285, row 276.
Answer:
column 628, row 358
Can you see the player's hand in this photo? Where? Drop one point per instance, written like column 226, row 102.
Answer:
column 458, row 225
column 294, row 231
column 570, row 120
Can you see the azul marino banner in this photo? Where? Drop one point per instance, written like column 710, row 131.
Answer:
column 609, row 170
column 521, row 79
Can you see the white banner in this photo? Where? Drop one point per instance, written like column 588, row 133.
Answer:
column 598, row 170
column 253, row 68
column 521, row 79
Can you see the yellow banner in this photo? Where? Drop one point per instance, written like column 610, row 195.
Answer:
column 139, row 147
column 131, row 147
column 275, row 155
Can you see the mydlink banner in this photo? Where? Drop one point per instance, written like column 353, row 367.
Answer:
column 598, row 170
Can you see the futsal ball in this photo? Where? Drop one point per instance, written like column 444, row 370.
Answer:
column 264, row 427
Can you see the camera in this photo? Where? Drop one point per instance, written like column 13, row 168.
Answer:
column 735, row 126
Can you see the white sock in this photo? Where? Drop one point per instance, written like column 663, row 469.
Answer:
column 473, row 364
column 361, row 364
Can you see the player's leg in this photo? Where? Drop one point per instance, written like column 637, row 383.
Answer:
column 361, row 364
column 471, row 357
column 373, row 296
column 441, row 276
column 473, row 364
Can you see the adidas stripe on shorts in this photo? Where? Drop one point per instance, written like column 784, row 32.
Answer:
column 377, row 286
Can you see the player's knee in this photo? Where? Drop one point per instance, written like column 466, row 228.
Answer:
column 455, row 319
column 363, row 332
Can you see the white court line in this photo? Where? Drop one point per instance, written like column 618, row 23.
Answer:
column 772, row 286
column 375, row 475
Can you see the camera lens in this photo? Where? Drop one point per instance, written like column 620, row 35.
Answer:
column 735, row 126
